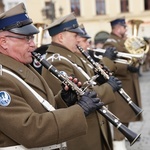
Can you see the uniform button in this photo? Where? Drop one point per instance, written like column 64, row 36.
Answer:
column 102, row 123
column 20, row 70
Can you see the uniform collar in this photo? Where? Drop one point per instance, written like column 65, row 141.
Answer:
column 23, row 71
column 63, row 51
column 12, row 64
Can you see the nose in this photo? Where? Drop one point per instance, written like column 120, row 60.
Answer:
column 32, row 44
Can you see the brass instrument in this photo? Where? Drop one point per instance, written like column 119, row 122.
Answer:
column 125, row 58
column 130, row 135
column 136, row 44
column 98, row 70
column 135, row 26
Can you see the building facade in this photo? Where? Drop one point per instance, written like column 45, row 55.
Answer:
column 94, row 14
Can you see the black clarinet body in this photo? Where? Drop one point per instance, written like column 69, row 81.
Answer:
column 130, row 135
column 98, row 69
column 58, row 74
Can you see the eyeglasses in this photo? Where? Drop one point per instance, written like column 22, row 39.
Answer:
column 124, row 26
column 27, row 38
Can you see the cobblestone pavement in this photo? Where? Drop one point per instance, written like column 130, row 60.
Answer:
column 144, row 126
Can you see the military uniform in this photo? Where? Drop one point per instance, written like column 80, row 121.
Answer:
column 98, row 135
column 18, row 116
column 24, row 121
column 129, row 80
column 130, row 84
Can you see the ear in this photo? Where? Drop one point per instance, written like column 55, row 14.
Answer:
column 3, row 42
column 61, row 37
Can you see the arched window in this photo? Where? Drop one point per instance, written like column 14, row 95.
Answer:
column 147, row 4
column 100, row 7
column 75, row 7
column 124, row 5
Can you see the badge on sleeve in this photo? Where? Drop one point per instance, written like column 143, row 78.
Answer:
column 5, row 98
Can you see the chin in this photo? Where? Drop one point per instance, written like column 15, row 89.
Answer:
column 28, row 61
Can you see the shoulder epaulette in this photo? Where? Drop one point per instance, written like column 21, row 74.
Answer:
column 111, row 40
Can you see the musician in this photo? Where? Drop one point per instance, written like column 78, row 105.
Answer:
column 128, row 74
column 28, row 114
column 62, row 54
column 146, row 65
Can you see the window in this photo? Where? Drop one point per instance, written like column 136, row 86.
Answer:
column 100, row 7
column 147, row 4
column 75, row 7
column 124, row 5
column 49, row 10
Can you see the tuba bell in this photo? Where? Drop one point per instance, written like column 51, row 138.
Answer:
column 136, row 44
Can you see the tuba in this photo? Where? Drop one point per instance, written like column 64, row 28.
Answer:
column 136, row 44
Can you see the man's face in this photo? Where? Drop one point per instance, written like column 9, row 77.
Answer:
column 83, row 42
column 18, row 47
column 70, row 40
column 123, row 30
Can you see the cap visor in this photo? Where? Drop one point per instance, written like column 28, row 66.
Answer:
column 85, row 36
column 25, row 30
column 76, row 30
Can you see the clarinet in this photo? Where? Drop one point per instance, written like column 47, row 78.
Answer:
column 98, row 69
column 130, row 135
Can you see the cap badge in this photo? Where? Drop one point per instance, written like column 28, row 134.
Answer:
column 26, row 15
column 5, row 98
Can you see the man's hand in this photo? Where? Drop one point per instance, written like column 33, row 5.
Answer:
column 68, row 95
column 115, row 83
column 110, row 53
column 133, row 69
column 89, row 102
column 101, row 78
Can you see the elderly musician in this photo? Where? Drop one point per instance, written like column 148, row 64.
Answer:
column 31, row 117
column 128, row 74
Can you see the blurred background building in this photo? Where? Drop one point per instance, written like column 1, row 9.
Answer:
column 94, row 14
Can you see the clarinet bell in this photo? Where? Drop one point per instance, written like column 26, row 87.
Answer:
column 130, row 135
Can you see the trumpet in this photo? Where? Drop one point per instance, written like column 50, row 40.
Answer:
column 130, row 135
column 124, row 58
column 98, row 70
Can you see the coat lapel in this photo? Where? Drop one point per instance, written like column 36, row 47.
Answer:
column 22, row 71
column 45, row 87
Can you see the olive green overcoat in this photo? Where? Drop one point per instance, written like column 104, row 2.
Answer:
column 25, row 121
column 98, row 136
column 130, row 83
